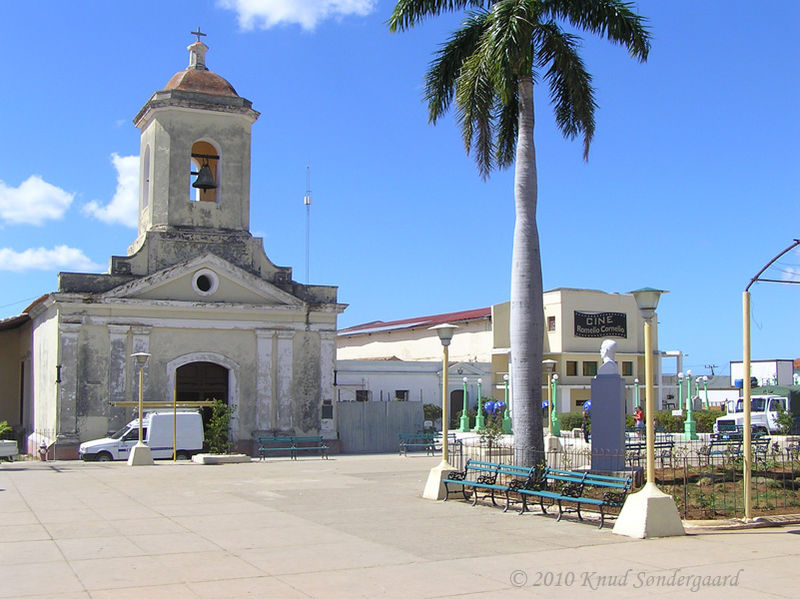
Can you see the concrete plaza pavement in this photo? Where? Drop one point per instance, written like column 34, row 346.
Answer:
column 351, row 526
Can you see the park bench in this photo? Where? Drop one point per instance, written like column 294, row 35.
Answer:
column 291, row 444
column 584, row 489
column 636, row 451
column 724, row 447
column 426, row 441
column 556, row 486
column 729, row 446
column 491, row 478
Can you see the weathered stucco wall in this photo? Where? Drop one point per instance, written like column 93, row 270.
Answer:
column 45, row 357
column 306, row 399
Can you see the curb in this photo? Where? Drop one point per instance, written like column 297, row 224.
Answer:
column 741, row 524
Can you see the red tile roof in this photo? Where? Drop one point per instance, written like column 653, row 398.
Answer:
column 419, row 322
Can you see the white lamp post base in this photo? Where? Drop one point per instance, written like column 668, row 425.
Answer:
column 140, row 456
column 649, row 513
column 434, row 487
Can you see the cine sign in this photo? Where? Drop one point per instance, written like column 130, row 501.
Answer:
column 601, row 324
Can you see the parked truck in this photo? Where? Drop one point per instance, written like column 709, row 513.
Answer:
column 764, row 411
column 158, row 432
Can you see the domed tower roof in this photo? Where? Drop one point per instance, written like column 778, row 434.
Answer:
column 196, row 87
column 197, row 78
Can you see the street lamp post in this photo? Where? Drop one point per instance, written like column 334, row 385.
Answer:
column 704, row 380
column 463, row 423
column 434, row 488
column 649, row 512
column 680, row 391
column 507, row 411
column 555, row 423
column 140, row 453
column 549, row 367
column 480, row 421
column 636, row 393
column 690, row 426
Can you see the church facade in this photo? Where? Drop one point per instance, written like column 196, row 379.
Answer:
column 196, row 291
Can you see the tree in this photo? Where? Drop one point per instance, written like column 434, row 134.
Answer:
column 489, row 67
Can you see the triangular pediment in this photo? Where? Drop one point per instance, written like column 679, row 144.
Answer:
column 207, row 278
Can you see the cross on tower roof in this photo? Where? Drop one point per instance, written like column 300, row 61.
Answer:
column 198, row 33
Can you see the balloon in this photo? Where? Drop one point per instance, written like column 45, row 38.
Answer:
column 587, row 405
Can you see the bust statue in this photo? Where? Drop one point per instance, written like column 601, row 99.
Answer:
column 608, row 350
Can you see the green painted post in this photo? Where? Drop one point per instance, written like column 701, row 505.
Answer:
column 464, row 421
column 554, row 399
column 480, row 422
column 506, row 414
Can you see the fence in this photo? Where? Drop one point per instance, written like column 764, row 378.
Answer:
column 373, row 426
column 704, row 480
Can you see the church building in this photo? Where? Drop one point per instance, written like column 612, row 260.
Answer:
column 196, row 291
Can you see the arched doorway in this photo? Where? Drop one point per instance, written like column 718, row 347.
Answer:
column 455, row 407
column 202, row 381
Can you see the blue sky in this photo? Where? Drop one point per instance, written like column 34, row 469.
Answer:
column 691, row 184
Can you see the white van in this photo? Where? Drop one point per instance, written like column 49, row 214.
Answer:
column 158, row 435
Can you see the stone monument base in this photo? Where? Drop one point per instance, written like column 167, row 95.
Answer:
column 434, row 487
column 649, row 513
column 140, row 455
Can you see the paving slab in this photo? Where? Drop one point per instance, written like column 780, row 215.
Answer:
column 350, row 526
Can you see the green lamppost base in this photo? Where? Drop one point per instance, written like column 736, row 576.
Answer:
column 556, row 425
column 690, row 430
column 507, row 424
column 480, row 423
column 463, row 425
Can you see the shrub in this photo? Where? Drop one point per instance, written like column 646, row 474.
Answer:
column 217, row 428
column 4, row 428
column 569, row 420
column 705, row 420
column 431, row 411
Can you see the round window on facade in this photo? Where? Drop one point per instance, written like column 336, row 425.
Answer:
column 205, row 282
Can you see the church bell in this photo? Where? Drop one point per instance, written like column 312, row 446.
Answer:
column 205, row 179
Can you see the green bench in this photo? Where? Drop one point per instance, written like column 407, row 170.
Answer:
column 583, row 489
column 423, row 441
column 562, row 486
column 291, row 445
column 426, row 441
column 636, row 451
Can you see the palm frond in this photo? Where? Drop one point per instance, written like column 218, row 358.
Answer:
column 440, row 81
column 506, row 130
column 475, row 102
column 509, row 27
column 570, row 83
column 408, row 13
column 616, row 20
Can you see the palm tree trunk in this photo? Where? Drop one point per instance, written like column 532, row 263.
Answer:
column 527, row 311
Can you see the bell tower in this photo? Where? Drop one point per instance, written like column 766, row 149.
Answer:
column 195, row 153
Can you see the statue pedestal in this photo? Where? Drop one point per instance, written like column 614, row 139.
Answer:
column 608, row 423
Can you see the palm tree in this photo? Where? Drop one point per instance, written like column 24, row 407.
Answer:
column 489, row 66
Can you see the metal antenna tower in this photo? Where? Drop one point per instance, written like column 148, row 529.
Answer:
column 307, row 202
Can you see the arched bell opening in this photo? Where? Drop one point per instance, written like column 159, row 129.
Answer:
column 204, row 172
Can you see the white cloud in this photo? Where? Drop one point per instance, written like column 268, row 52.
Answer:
column 33, row 202
column 60, row 257
column 124, row 206
column 306, row 13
